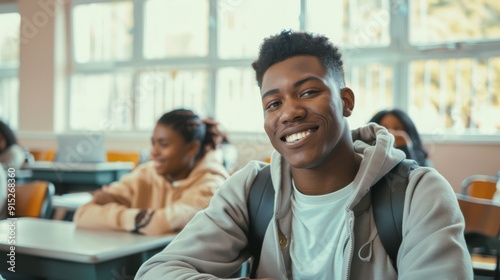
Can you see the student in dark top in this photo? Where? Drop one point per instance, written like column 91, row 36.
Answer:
column 405, row 133
column 11, row 153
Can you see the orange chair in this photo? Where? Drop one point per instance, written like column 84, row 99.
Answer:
column 482, row 231
column 481, row 215
column 33, row 199
column 134, row 157
column 480, row 186
column 43, row 155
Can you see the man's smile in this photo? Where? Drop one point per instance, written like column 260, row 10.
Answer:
column 298, row 136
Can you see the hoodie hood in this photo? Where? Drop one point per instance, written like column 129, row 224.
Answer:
column 376, row 145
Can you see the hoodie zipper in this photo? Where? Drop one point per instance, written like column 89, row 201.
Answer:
column 351, row 249
column 280, row 248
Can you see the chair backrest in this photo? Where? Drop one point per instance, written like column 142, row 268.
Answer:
column 43, row 155
column 134, row 157
column 481, row 215
column 33, row 199
column 480, row 186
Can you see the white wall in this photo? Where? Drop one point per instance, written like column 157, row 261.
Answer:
column 457, row 161
column 37, row 67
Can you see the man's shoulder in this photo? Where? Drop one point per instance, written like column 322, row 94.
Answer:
column 428, row 173
column 250, row 170
column 428, row 182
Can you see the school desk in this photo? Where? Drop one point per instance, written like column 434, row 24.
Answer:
column 58, row 250
column 484, row 265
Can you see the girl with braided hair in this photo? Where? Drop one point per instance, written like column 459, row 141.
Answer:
column 163, row 194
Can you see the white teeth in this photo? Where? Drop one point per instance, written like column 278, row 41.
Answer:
column 297, row 136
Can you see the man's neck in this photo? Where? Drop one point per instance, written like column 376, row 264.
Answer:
column 329, row 177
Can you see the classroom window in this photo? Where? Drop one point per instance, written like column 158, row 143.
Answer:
column 159, row 90
column 175, row 28
column 9, row 39
column 433, row 21
column 243, row 24
column 103, row 31
column 100, row 101
column 9, row 62
column 239, row 105
column 453, row 80
column 403, row 54
column 372, row 86
column 456, row 94
column 353, row 24
column 9, row 101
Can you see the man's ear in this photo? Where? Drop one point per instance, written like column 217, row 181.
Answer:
column 347, row 97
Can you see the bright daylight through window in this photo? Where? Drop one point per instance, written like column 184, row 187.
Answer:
column 9, row 63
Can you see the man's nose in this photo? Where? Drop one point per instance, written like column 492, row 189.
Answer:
column 293, row 110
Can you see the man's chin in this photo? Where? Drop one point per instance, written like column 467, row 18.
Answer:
column 303, row 160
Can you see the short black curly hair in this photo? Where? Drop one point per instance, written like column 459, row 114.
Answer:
column 289, row 43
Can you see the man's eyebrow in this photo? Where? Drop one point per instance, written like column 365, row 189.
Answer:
column 295, row 85
column 301, row 82
column 273, row 91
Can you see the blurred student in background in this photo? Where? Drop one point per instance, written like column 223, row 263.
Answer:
column 163, row 194
column 405, row 134
column 12, row 155
column 221, row 144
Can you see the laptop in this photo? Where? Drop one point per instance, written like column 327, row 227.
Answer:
column 82, row 147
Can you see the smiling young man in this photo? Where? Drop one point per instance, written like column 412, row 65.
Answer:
column 322, row 226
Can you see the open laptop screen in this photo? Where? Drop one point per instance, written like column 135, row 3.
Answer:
column 80, row 148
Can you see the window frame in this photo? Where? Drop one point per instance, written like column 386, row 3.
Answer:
column 399, row 54
column 10, row 71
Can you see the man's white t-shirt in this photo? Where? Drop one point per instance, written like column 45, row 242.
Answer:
column 319, row 234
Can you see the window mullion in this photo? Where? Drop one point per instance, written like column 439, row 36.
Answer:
column 213, row 65
column 138, row 31
column 399, row 43
column 303, row 13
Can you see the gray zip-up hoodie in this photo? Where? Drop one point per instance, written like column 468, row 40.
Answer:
column 213, row 244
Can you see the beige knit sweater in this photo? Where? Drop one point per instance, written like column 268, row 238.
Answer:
column 175, row 203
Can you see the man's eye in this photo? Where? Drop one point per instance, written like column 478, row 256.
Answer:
column 309, row 92
column 273, row 105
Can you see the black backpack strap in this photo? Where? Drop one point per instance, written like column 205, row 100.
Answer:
column 260, row 210
column 388, row 199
